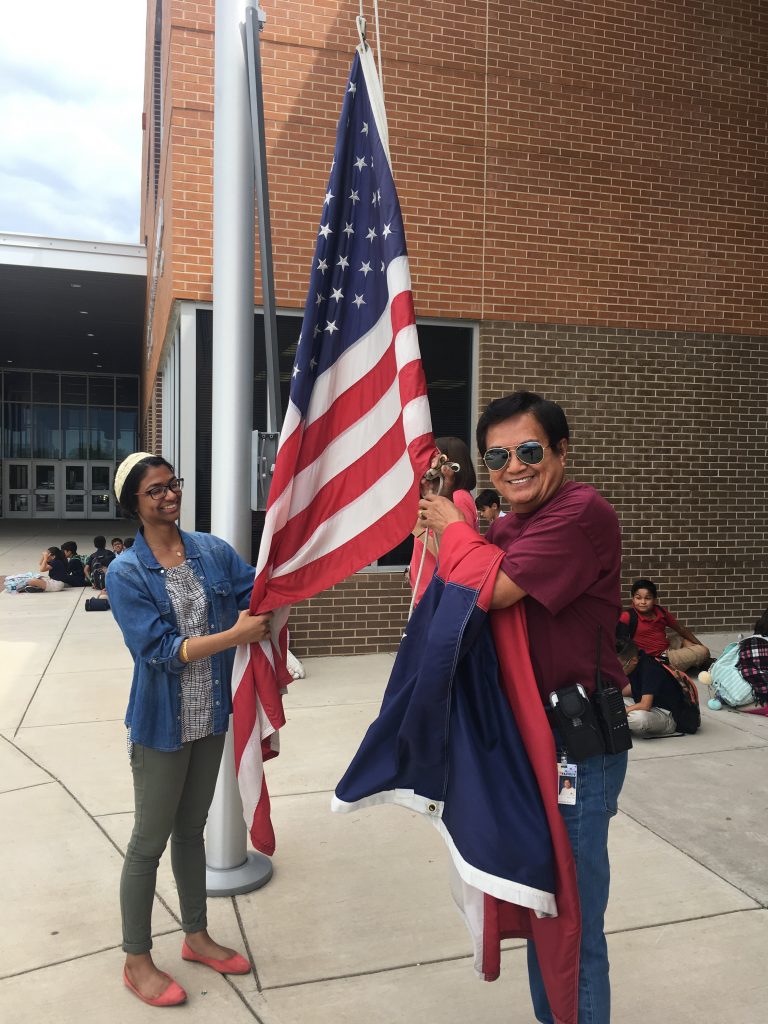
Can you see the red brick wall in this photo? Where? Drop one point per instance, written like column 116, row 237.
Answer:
column 579, row 179
column 596, row 165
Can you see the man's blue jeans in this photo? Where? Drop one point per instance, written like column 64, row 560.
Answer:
column 598, row 785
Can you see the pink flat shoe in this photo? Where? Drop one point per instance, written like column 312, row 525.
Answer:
column 173, row 995
column 233, row 965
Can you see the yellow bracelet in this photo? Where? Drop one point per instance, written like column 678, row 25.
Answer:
column 183, row 656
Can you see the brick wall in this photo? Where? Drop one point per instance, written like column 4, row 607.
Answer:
column 365, row 614
column 671, row 428
column 595, row 165
column 585, row 181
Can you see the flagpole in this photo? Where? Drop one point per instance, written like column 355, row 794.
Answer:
column 231, row 869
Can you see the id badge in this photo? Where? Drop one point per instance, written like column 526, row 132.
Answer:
column 566, row 783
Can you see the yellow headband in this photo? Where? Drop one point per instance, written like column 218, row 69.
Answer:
column 125, row 468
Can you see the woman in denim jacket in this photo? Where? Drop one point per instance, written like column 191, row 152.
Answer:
column 176, row 597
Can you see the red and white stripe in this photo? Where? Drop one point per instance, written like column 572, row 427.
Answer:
column 344, row 492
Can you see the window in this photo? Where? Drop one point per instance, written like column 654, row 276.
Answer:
column 446, row 351
column 101, row 432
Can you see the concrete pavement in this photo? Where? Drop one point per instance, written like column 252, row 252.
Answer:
column 357, row 923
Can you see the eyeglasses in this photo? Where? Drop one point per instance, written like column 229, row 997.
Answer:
column 160, row 490
column 530, row 453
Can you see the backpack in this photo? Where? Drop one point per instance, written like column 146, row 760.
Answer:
column 688, row 717
column 730, row 685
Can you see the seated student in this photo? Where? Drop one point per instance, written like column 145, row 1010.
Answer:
column 54, row 563
column 117, row 545
column 75, row 569
column 96, row 563
column 647, row 625
column 489, row 505
column 652, row 696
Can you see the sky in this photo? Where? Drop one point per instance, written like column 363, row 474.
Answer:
column 71, row 99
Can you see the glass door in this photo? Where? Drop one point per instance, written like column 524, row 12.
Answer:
column 44, row 503
column 74, row 490
column 100, row 499
column 17, row 487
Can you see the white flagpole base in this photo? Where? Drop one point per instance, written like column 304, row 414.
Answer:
column 252, row 874
column 230, row 868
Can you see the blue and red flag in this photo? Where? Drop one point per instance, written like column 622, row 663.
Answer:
column 357, row 435
column 462, row 737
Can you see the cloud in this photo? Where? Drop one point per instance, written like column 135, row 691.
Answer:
column 71, row 97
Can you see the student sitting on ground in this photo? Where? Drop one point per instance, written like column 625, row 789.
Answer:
column 55, row 564
column 647, row 623
column 489, row 505
column 96, row 564
column 652, row 696
column 75, row 568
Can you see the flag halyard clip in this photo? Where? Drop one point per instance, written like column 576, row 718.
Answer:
column 361, row 27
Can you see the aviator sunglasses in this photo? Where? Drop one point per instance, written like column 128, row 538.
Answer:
column 530, row 453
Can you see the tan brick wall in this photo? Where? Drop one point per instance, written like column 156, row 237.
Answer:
column 671, row 429
column 365, row 614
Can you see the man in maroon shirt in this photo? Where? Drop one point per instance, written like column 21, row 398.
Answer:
column 562, row 559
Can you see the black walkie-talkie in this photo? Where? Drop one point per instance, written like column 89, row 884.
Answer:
column 611, row 710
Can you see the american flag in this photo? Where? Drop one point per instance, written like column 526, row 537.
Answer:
column 357, row 435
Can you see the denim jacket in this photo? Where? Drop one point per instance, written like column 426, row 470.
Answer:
column 143, row 610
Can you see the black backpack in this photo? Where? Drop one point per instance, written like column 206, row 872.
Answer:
column 687, row 716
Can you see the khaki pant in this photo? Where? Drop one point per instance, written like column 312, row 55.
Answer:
column 656, row 722
column 686, row 656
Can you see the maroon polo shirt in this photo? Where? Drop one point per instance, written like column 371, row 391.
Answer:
column 566, row 556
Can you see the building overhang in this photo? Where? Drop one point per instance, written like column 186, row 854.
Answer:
column 68, row 304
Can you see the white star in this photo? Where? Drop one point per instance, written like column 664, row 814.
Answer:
column 355, row 197
column 364, row 129
column 331, row 326
column 298, row 342
column 336, row 294
column 328, row 197
column 373, row 198
column 322, row 266
column 319, row 299
column 352, row 88
column 348, row 229
column 382, row 266
column 360, row 163
column 387, row 231
column 313, row 362
column 378, row 195
column 325, row 230
column 317, row 330
column 296, row 370
column 365, row 269
column 371, row 234
column 358, row 301
column 343, row 262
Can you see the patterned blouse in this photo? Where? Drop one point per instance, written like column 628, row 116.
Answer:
column 190, row 605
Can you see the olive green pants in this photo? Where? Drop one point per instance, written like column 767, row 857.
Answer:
column 173, row 793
